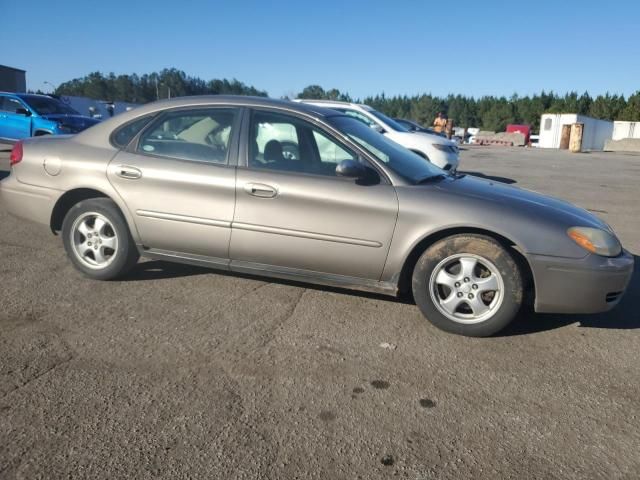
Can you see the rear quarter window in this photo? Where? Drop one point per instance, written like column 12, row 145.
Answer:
column 123, row 135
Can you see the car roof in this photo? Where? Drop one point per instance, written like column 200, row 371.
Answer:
column 239, row 100
column 26, row 96
column 331, row 103
column 195, row 100
column 22, row 94
column 101, row 131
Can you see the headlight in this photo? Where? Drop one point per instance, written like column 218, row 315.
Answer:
column 444, row 148
column 596, row 241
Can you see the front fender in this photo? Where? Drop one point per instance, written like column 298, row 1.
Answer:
column 42, row 125
column 427, row 211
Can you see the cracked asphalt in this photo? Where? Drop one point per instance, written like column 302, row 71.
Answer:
column 181, row 372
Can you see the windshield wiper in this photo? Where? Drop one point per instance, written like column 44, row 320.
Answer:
column 432, row 178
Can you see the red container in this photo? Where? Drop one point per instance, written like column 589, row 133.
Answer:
column 523, row 129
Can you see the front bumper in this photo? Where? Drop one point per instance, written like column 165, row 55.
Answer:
column 588, row 285
column 445, row 160
column 27, row 201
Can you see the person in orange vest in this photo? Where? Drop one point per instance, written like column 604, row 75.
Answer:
column 440, row 123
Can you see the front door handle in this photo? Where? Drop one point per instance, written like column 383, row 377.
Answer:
column 260, row 190
column 130, row 173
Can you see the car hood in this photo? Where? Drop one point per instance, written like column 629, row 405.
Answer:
column 526, row 202
column 537, row 224
column 78, row 122
column 418, row 139
column 434, row 138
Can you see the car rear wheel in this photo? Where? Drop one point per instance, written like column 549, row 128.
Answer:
column 468, row 284
column 97, row 239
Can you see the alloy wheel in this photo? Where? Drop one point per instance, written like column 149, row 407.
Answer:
column 466, row 288
column 94, row 240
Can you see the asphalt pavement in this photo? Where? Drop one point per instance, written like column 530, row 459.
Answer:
column 182, row 372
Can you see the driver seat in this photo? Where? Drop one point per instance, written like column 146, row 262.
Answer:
column 274, row 158
column 273, row 152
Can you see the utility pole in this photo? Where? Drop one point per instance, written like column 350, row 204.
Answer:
column 51, row 85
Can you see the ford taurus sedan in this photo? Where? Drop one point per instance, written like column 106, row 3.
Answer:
column 300, row 192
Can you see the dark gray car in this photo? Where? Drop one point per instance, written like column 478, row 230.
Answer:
column 300, row 192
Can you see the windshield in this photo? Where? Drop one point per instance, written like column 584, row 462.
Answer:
column 391, row 123
column 48, row 106
column 405, row 163
column 406, row 123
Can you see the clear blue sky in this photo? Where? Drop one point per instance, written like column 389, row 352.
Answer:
column 358, row 46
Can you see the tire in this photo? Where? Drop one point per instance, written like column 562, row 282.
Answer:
column 97, row 239
column 468, row 285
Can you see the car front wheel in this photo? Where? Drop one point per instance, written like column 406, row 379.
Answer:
column 97, row 239
column 468, row 284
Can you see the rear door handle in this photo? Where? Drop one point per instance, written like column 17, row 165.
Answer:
column 128, row 172
column 260, row 190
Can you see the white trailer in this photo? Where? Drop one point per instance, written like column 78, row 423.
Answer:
column 622, row 130
column 596, row 132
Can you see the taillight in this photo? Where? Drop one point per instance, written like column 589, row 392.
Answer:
column 16, row 154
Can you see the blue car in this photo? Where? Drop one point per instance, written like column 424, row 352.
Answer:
column 25, row 115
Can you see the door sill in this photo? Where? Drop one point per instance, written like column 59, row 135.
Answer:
column 190, row 259
column 310, row 276
column 264, row 270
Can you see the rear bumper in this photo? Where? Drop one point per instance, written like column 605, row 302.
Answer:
column 588, row 285
column 27, row 201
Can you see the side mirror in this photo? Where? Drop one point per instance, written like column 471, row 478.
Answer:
column 23, row 111
column 351, row 169
column 377, row 128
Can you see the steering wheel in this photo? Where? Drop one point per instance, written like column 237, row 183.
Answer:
column 290, row 150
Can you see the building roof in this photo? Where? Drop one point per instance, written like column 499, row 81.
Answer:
column 12, row 68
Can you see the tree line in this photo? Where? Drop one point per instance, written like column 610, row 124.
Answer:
column 490, row 112
column 487, row 113
column 146, row 88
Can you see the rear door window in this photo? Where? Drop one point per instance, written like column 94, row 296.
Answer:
column 202, row 135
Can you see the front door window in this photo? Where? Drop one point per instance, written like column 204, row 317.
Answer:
column 287, row 144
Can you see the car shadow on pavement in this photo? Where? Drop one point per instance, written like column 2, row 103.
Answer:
column 159, row 269
column 3, row 174
column 494, row 178
column 624, row 316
